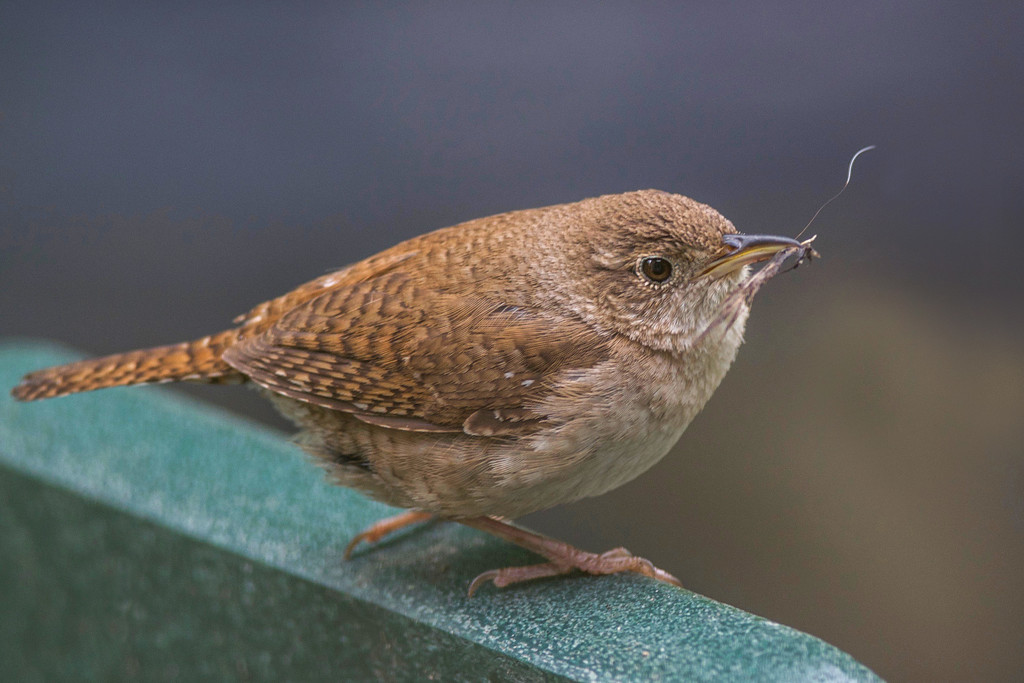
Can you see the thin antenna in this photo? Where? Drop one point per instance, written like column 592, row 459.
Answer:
column 849, row 174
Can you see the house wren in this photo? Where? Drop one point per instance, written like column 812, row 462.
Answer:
column 494, row 368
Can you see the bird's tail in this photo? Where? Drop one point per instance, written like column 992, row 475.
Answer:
column 197, row 360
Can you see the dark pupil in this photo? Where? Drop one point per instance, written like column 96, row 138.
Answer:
column 658, row 269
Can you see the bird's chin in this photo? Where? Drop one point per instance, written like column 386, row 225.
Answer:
column 704, row 307
column 722, row 285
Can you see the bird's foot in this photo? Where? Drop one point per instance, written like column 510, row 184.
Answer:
column 385, row 527
column 563, row 558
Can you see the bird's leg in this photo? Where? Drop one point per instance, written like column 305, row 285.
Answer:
column 563, row 558
column 384, row 527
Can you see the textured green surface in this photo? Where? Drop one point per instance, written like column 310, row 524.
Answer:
column 143, row 534
column 109, row 597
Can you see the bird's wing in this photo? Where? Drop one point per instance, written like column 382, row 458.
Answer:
column 395, row 354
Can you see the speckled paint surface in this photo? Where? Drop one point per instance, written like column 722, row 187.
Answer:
column 147, row 471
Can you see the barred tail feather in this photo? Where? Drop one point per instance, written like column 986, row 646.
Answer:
column 197, row 360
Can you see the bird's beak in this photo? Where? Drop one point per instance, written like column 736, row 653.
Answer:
column 747, row 249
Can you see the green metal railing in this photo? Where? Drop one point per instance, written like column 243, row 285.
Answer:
column 146, row 536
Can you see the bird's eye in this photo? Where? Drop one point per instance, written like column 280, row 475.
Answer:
column 655, row 268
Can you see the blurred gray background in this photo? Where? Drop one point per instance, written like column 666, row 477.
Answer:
column 859, row 474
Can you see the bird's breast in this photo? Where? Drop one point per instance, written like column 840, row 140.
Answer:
column 612, row 422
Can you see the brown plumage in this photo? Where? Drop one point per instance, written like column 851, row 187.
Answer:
column 494, row 368
column 199, row 360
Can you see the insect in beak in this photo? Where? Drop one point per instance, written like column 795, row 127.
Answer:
column 747, row 249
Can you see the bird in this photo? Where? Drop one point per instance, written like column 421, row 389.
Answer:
column 495, row 368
